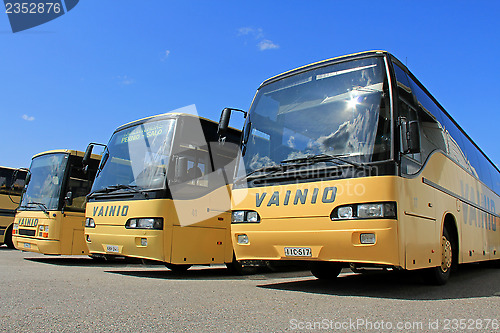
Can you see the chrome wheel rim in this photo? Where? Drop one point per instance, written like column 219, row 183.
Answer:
column 446, row 254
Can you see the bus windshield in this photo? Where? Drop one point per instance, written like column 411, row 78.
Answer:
column 339, row 110
column 44, row 188
column 137, row 156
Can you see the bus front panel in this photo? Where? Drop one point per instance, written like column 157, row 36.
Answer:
column 191, row 231
column 300, row 222
column 49, row 233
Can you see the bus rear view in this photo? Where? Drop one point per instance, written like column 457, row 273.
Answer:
column 162, row 193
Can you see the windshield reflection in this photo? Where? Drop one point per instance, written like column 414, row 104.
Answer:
column 138, row 156
column 334, row 110
column 44, row 188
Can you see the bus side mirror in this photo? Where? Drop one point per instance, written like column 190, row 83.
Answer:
column 224, row 122
column 69, row 198
column 28, row 178
column 87, row 155
column 410, row 136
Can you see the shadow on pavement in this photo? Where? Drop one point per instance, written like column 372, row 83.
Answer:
column 83, row 261
column 470, row 281
column 216, row 273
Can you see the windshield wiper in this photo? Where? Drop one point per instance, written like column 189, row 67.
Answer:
column 270, row 168
column 308, row 160
column 112, row 188
column 39, row 204
column 312, row 159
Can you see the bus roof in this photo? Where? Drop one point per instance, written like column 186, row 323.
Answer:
column 11, row 168
column 320, row 64
column 66, row 151
column 162, row 116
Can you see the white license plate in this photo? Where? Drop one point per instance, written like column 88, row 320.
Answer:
column 112, row 248
column 27, row 245
column 298, row 252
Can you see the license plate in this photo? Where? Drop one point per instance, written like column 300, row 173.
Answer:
column 27, row 245
column 112, row 248
column 298, row 252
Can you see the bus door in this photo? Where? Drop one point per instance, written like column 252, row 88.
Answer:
column 418, row 218
column 198, row 235
column 77, row 187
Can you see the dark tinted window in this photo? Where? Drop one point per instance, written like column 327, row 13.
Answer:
column 80, row 182
column 402, row 79
column 458, row 145
column 429, row 116
column 12, row 181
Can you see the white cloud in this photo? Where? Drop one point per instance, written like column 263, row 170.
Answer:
column 257, row 33
column 125, row 80
column 165, row 55
column 267, row 44
column 28, row 118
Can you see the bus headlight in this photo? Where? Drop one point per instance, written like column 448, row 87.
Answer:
column 375, row 210
column 345, row 212
column 89, row 222
column 245, row 216
column 145, row 223
column 15, row 228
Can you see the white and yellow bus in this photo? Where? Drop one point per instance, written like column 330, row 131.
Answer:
column 162, row 193
column 351, row 162
column 51, row 216
column 11, row 187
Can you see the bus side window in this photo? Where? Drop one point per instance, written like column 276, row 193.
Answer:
column 19, row 182
column 431, row 135
column 79, row 184
column 3, row 184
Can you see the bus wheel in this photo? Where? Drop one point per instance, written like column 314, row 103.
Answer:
column 177, row 267
column 324, row 270
column 439, row 275
column 8, row 238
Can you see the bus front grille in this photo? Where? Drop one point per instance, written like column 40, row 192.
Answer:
column 27, row 232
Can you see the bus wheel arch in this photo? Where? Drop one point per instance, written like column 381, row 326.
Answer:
column 450, row 224
column 448, row 250
column 8, row 238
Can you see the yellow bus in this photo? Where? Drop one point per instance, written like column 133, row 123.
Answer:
column 351, row 162
column 162, row 193
column 51, row 218
column 11, row 187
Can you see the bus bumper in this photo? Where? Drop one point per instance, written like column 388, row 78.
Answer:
column 116, row 240
column 44, row 246
column 342, row 244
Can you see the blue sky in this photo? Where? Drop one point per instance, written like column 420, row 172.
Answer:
column 75, row 79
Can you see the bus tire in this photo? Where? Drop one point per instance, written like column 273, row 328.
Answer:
column 439, row 275
column 177, row 267
column 324, row 270
column 8, row 238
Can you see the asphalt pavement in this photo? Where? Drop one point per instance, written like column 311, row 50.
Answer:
column 77, row 294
